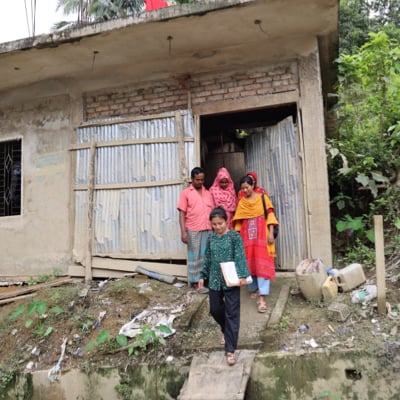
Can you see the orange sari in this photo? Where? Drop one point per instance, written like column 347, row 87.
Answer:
column 250, row 222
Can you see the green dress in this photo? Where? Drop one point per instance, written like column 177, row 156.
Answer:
column 228, row 247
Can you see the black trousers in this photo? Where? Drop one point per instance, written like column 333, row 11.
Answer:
column 225, row 309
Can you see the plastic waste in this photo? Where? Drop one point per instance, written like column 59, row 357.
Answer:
column 364, row 295
column 332, row 271
column 78, row 352
column 312, row 343
column 303, row 328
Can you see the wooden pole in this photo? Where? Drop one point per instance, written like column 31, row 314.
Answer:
column 90, row 206
column 380, row 264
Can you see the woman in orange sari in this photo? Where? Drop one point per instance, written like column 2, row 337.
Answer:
column 257, row 233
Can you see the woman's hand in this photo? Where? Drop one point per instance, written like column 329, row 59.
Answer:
column 271, row 238
column 200, row 284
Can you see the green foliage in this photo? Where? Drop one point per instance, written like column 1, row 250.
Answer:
column 284, row 322
column 31, row 281
column 359, row 17
column 88, row 11
column 124, row 391
column 364, row 161
column 36, row 311
column 101, row 338
column 361, row 253
column 56, row 272
column 6, row 378
column 356, row 227
column 43, row 278
column 147, row 336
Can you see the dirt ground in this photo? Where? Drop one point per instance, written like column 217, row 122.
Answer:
column 32, row 330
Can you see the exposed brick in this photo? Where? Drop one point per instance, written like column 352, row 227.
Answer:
column 160, row 89
column 263, row 80
column 216, row 97
column 276, row 84
column 219, row 91
column 246, row 93
column 257, row 75
column 235, row 89
column 199, row 100
column 207, row 83
column 102, row 108
column 229, row 96
column 245, row 82
column 264, row 91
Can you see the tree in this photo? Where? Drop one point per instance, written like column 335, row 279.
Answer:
column 88, row 11
column 357, row 18
column 364, row 162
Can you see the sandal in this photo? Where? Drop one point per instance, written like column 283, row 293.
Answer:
column 230, row 359
column 261, row 306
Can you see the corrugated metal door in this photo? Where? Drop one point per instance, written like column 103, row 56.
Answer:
column 138, row 169
column 274, row 153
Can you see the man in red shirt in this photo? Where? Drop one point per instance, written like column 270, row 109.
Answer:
column 194, row 206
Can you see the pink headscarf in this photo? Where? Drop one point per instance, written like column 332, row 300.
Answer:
column 224, row 197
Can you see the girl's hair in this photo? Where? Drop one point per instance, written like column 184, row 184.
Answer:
column 218, row 212
column 247, row 179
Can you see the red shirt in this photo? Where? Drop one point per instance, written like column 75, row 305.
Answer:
column 197, row 208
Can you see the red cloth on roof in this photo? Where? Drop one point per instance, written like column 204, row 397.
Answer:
column 155, row 4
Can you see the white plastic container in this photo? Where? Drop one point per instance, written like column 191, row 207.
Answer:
column 350, row 277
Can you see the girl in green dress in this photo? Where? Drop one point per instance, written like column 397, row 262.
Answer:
column 224, row 245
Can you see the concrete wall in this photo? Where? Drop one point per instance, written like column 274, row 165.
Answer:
column 274, row 376
column 298, row 81
column 39, row 240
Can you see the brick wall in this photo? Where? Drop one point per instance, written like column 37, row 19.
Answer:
column 172, row 95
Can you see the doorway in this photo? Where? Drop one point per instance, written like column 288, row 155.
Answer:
column 265, row 141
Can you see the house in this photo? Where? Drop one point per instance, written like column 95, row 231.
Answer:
column 101, row 125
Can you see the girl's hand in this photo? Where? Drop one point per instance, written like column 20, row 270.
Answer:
column 242, row 282
column 200, row 284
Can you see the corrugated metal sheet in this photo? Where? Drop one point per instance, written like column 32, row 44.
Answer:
column 141, row 221
column 273, row 152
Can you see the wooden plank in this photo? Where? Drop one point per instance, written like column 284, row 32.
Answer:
column 79, row 271
column 128, row 119
column 380, row 264
column 33, row 288
column 274, row 99
column 130, row 266
column 227, row 382
column 10, row 300
column 90, row 190
column 137, row 185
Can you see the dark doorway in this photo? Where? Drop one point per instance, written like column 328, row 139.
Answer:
column 223, row 138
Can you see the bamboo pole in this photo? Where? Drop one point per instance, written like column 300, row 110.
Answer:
column 380, row 264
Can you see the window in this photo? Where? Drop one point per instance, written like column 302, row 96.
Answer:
column 10, row 177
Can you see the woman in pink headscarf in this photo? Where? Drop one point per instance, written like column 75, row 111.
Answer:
column 223, row 193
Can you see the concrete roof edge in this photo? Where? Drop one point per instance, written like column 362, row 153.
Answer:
column 75, row 33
